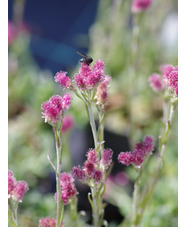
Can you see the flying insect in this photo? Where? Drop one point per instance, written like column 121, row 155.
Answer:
column 86, row 59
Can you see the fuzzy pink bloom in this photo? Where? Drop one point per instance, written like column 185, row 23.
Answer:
column 106, row 158
column 89, row 167
column 66, row 101
column 148, row 144
column 102, row 90
column 63, row 79
column 97, row 176
column 156, row 82
column 92, row 157
column 11, row 182
column 68, row 191
column 88, row 77
column 68, row 123
column 20, row 189
column 52, row 109
column 137, row 158
column 47, row 222
column 140, row 5
column 170, row 75
column 125, row 158
column 66, row 178
column 79, row 173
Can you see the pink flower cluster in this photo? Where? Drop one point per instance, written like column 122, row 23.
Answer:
column 68, row 123
column 47, row 222
column 102, row 90
column 170, row 75
column 54, row 107
column 139, row 153
column 16, row 189
column 88, row 77
column 67, row 187
column 93, row 168
column 140, row 5
column 63, row 79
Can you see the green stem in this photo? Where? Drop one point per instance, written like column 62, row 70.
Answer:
column 92, row 124
column 60, row 205
column 74, row 213
column 148, row 191
column 13, row 206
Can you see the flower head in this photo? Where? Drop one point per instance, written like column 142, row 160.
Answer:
column 11, row 182
column 47, row 222
column 170, row 75
column 156, row 82
column 79, row 173
column 20, row 189
column 102, row 90
column 68, row 189
column 106, row 158
column 87, row 77
column 97, row 175
column 54, row 107
column 92, row 157
column 141, row 150
column 63, row 79
column 125, row 158
column 140, row 5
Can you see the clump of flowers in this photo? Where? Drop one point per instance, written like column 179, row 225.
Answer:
column 54, row 108
column 93, row 169
column 170, row 75
column 140, row 5
column 137, row 157
column 47, row 222
column 167, row 79
column 68, row 189
column 16, row 191
column 102, row 91
column 87, row 78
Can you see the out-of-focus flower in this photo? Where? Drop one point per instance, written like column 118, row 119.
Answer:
column 156, row 82
column 68, row 123
column 20, row 189
column 53, row 108
column 141, row 150
column 48, row 222
column 170, row 75
column 63, row 79
column 102, row 91
column 140, row 5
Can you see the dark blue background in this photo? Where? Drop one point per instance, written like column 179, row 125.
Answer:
column 58, row 29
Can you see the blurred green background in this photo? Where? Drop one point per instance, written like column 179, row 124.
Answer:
column 132, row 47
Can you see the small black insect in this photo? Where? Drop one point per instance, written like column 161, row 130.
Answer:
column 86, row 59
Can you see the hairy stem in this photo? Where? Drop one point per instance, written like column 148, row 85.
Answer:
column 60, row 205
